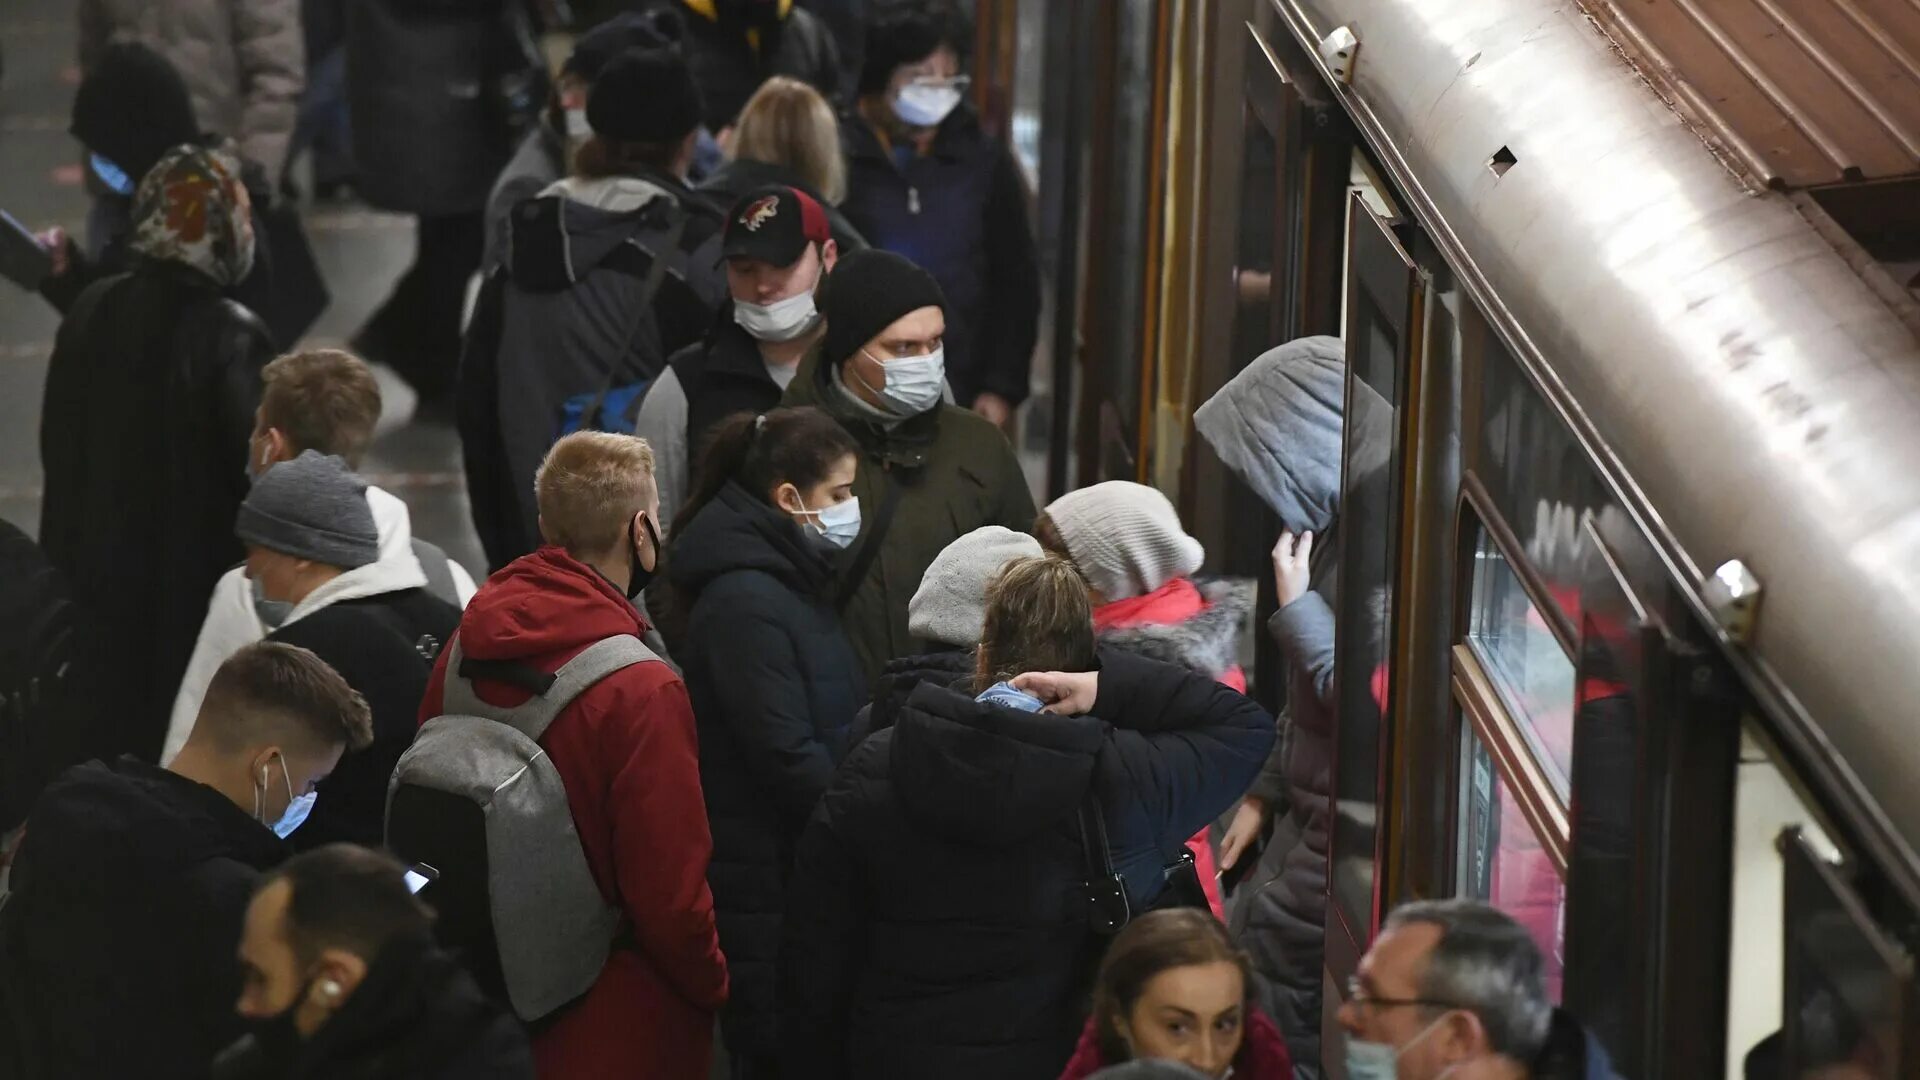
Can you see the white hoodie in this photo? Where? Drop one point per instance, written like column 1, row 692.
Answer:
column 232, row 624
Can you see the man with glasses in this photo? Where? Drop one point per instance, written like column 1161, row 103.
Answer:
column 1456, row 988
column 925, row 180
column 930, row 472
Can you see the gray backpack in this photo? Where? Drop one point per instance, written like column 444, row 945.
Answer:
column 477, row 799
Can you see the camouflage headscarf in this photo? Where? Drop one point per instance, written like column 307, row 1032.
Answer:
column 191, row 208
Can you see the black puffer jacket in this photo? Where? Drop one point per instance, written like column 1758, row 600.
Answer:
column 384, row 646
column 149, row 401
column 117, row 944
column 897, row 680
column 774, row 687
column 936, row 925
column 416, row 1016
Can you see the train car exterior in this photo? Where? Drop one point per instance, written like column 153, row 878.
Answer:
column 1627, row 617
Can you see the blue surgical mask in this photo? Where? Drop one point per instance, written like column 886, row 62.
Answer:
column 839, row 523
column 1380, row 1061
column 271, row 613
column 913, row 384
column 298, row 806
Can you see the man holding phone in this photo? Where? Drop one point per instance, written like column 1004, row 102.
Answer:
column 340, row 977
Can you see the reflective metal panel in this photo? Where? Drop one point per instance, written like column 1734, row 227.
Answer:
column 1745, row 393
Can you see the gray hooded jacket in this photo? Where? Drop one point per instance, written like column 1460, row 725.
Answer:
column 1278, row 425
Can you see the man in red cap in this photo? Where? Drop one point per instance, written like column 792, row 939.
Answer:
column 778, row 248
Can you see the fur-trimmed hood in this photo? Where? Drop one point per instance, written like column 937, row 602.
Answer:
column 1205, row 640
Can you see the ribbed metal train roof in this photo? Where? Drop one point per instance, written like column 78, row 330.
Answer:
column 1795, row 93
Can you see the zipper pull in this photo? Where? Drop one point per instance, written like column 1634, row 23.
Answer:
column 913, row 200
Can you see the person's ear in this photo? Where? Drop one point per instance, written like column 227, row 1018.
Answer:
column 787, row 498
column 273, row 448
column 829, row 254
column 339, row 974
column 1462, row 1037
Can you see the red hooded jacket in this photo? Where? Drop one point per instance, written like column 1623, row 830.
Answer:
column 627, row 753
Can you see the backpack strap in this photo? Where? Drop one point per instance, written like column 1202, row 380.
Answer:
column 434, row 563
column 590, row 419
column 575, row 677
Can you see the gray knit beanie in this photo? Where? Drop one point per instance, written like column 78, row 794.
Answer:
column 950, row 606
column 1125, row 538
column 311, row 508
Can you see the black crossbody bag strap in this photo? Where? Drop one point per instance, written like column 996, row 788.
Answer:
column 870, row 548
column 1108, row 910
column 656, row 273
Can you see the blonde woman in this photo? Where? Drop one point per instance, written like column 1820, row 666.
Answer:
column 787, row 134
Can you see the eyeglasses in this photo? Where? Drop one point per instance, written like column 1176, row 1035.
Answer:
column 958, row 83
column 1357, row 996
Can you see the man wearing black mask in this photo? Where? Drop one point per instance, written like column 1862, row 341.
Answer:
column 627, row 756
column 735, row 45
column 340, row 977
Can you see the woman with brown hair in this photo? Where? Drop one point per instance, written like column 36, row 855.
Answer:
column 787, row 134
column 941, row 918
column 1173, row 987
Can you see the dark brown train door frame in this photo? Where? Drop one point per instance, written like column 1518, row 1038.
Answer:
column 1385, row 300
column 1649, row 877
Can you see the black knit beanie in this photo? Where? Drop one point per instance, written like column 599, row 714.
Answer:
column 867, row 292
column 645, row 96
column 132, row 108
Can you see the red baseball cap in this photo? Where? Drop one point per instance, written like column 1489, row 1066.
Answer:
column 775, row 225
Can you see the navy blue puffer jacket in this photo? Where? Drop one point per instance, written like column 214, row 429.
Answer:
column 774, row 686
column 959, row 211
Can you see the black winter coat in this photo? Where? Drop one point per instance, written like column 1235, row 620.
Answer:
column 384, row 646
column 416, row 1016
column 960, row 211
column 117, row 946
column 430, row 130
column 936, row 923
column 728, row 69
column 895, row 684
column 774, row 686
column 149, row 401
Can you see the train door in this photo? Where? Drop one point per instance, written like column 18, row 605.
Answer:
column 1384, row 301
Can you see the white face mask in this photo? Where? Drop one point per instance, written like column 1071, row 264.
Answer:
column 577, row 127
column 913, row 383
column 923, row 105
column 782, row 320
column 839, row 523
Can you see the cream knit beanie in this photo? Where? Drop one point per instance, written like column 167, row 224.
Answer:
column 1125, row 538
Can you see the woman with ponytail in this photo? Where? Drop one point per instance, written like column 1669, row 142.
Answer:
column 774, row 683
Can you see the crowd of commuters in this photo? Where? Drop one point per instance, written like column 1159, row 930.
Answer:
column 783, row 717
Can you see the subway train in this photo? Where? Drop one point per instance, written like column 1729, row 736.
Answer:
column 1629, row 619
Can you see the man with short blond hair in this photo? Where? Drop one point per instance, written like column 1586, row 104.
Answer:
column 116, row 943
column 325, row 400
column 626, row 753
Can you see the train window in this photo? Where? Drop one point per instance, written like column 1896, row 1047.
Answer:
column 1850, row 1006
column 1532, row 673
column 1502, row 861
